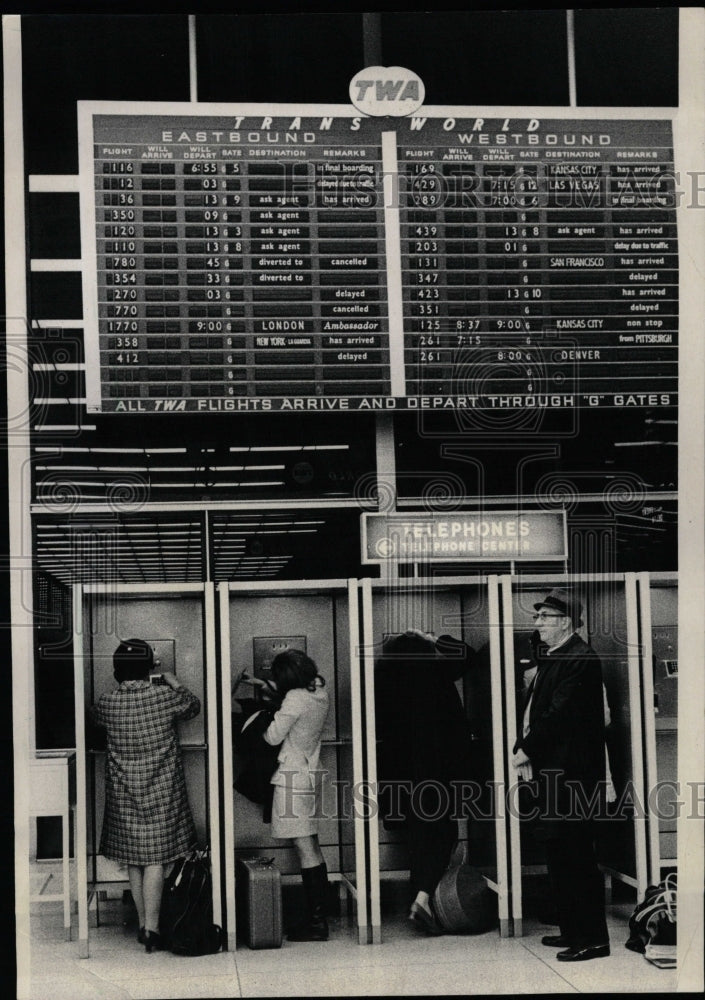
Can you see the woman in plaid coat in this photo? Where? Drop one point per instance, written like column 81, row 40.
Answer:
column 147, row 822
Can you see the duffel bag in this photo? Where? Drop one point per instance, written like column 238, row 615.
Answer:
column 463, row 902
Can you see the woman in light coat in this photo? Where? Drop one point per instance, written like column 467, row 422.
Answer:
column 297, row 726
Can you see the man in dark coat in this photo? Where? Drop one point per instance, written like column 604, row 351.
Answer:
column 424, row 746
column 562, row 746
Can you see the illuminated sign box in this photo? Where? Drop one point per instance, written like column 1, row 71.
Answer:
column 497, row 536
column 286, row 258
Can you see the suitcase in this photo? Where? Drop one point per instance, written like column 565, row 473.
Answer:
column 258, row 895
column 463, row 902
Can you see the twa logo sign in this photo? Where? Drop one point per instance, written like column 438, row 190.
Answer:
column 387, row 90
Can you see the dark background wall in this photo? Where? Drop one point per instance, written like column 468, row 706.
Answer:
column 623, row 57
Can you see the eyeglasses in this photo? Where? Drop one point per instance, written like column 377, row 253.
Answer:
column 542, row 614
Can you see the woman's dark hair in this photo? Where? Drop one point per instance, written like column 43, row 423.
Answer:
column 294, row 669
column 132, row 660
column 409, row 646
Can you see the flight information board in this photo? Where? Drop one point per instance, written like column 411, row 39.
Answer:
column 327, row 262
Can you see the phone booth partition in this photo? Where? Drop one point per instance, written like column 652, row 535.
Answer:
column 658, row 607
column 321, row 618
column 456, row 609
column 177, row 620
column 613, row 625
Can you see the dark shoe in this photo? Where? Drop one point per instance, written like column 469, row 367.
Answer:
column 152, row 941
column 584, row 954
column 423, row 918
column 555, row 941
column 142, row 936
column 293, row 928
column 315, row 930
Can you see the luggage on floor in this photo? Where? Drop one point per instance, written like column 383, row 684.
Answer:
column 463, row 902
column 258, row 898
column 653, row 928
column 186, row 919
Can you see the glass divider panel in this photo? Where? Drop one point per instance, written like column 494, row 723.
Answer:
column 357, row 641
column 81, row 846
column 512, row 802
column 499, row 756
column 371, row 752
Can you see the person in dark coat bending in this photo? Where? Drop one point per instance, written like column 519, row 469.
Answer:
column 562, row 746
column 424, row 745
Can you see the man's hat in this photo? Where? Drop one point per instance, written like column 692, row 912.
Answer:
column 565, row 604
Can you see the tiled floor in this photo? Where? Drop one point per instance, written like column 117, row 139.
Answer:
column 407, row 963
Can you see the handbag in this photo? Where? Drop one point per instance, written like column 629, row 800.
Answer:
column 186, row 919
column 259, row 758
column 653, row 924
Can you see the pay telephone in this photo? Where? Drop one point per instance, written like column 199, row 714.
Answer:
column 265, row 648
column 664, row 640
column 164, row 658
column 524, row 663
